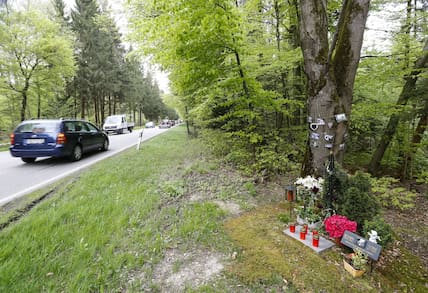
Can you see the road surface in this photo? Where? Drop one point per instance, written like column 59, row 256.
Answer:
column 18, row 178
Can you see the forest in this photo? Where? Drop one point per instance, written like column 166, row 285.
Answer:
column 270, row 85
column 58, row 62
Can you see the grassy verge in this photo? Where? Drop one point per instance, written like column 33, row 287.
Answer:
column 120, row 225
column 109, row 222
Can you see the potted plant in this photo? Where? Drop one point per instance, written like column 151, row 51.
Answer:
column 315, row 239
column 355, row 263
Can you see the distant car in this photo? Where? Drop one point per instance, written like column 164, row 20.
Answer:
column 165, row 124
column 150, row 124
column 56, row 138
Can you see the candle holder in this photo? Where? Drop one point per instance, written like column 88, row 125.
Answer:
column 290, row 196
column 290, row 193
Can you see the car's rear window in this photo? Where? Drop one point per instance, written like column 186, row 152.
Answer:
column 38, row 127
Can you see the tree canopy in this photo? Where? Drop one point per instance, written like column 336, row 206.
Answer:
column 244, row 71
column 267, row 83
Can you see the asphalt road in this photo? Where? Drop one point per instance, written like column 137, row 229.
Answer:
column 18, row 178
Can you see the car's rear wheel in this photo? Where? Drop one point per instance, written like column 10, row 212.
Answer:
column 105, row 145
column 76, row 154
column 28, row 160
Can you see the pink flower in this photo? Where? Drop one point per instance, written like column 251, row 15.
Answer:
column 337, row 225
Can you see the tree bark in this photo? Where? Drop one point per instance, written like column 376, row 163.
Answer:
column 416, row 140
column 395, row 118
column 331, row 74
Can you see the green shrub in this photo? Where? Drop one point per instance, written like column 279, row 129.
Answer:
column 383, row 229
column 284, row 218
column 357, row 202
column 392, row 196
column 359, row 206
column 422, row 178
column 337, row 183
column 250, row 187
column 362, row 181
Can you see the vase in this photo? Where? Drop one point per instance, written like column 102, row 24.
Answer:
column 354, row 272
column 315, row 242
column 302, row 235
column 292, row 228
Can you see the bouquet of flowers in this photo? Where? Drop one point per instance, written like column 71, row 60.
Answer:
column 310, row 183
column 337, row 225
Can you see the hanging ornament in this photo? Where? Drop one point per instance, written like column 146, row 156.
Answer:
column 342, row 146
column 310, row 119
column 330, row 124
column 340, row 117
column 329, row 145
column 313, row 126
column 315, row 144
column 328, row 137
column 320, row 121
column 315, row 136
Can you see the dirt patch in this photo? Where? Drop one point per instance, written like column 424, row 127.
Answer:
column 232, row 208
column 411, row 227
column 179, row 270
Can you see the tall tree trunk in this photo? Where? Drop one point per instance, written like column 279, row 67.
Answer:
column 404, row 97
column 416, row 140
column 331, row 74
column 23, row 105
column 24, row 102
column 82, row 106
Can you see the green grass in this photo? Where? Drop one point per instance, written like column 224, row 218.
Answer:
column 4, row 147
column 111, row 221
column 108, row 228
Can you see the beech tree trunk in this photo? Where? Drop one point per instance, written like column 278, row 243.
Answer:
column 395, row 118
column 331, row 70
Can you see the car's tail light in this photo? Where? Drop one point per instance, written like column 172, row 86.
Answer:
column 60, row 139
column 12, row 139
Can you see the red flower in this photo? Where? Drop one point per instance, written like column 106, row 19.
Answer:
column 337, row 225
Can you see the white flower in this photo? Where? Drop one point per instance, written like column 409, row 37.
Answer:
column 310, row 182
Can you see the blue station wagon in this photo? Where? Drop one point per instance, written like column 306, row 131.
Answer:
column 56, row 138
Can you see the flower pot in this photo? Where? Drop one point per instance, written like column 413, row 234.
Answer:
column 352, row 270
column 315, row 242
column 292, row 228
column 302, row 235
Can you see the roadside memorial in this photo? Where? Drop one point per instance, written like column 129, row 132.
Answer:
column 369, row 248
